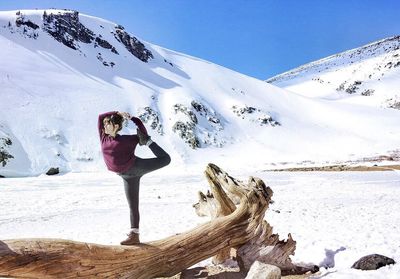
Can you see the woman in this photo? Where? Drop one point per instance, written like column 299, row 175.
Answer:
column 119, row 156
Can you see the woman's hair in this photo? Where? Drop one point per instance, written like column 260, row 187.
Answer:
column 115, row 119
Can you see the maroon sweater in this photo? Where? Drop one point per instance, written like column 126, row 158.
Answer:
column 119, row 152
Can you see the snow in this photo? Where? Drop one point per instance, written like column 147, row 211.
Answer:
column 51, row 96
column 55, row 94
column 335, row 217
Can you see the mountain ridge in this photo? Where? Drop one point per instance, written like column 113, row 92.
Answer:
column 359, row 72
column 55, row 86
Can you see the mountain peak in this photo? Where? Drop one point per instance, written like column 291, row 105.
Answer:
column 66, row 27
column 368, row 74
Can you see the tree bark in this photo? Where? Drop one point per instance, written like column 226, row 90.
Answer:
column 58, row 258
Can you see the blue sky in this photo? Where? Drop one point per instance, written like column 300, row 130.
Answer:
column 259, row 38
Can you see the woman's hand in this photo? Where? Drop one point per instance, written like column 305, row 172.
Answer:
column 125, row 115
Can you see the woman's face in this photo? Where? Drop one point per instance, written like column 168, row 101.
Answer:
column 109, row 128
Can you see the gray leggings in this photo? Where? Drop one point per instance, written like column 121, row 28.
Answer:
column 132, row 177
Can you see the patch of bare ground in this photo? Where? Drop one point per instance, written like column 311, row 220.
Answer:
column 388, row 162
column 343, row 168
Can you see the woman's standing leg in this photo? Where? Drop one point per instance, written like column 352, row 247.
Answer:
column 132, row 185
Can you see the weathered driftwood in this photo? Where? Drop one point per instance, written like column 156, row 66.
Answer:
column 263, row 246
column 58, row 258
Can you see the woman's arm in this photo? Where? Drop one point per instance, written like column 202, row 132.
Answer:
column 139, row 124
column 100, row 122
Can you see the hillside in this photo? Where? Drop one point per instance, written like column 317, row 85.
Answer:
column 60, row 69
column 368, row 75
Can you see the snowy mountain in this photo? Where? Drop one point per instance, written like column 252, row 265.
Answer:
column 60, row 69
column 368, row 75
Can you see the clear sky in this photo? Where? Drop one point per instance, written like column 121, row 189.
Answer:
column 259, row 38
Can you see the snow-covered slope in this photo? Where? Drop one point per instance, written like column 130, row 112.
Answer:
column 59, row 69
column 368, row 75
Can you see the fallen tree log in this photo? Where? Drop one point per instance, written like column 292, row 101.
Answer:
column 58, row 258
column 264, row 246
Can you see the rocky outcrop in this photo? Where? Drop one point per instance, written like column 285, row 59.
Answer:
column 368, row 92
column 22, row 21
column 206, row 113
column 132, row 44
column 393, row 103
column 151, row 117
column 104, row 44
column 198, row 125
column 23, row 26
column 5, row 156
column 350, row 88
column 186, row 130
column 254, row 115
column 66, row 28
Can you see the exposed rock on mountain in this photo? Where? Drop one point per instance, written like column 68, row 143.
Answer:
column 132, row 44
column 152, row 118
column 186, row 130
column 370, row 71
column 257, row 115
column 22, row 21
column 66, row 28
column 5, row 156
column 198, row 125
column 394, row 102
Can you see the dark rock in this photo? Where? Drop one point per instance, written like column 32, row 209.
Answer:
column 132, row 44
column 268, row 120
column 263, row 119
column 208, row 113
column 105, row 44
column 186, row 111
column 5, row 156
column 191, row 133
column 22, row 21
column 148, row 115
column 341, row 87
column 352, row 88
column 213, row 119
column 198, row 107
column 66, row 28
column 6, row 141
column 372, row 262
column 393, row 103
column 186, row 130
column 53, row 171
column 367, row 92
